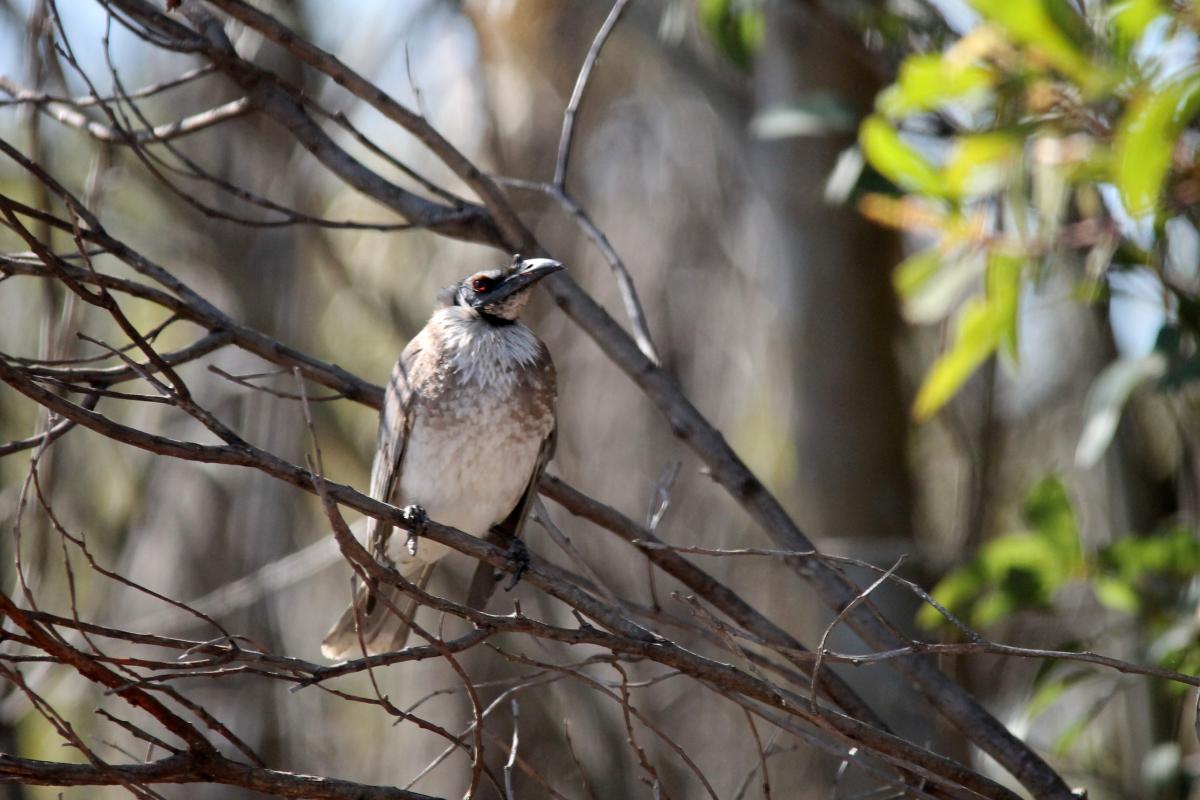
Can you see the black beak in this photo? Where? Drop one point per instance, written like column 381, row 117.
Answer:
column 530, row 272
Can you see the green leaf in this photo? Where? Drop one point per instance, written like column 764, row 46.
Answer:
column 1027, row 565
column 1036, row 24
column 1004, row 295
column 931, row 285
column 1146, row 137
column 915, row 271
column 993, row 607
column 1173, row 551
column 983, row 324
column 895, row 159
column 1150, row 562
column 736, row 28
column 928, row 81
column 976, row 340
column 1049, row 513
column 1116, row 594
column 1131, row 17
column 979, row 164
column 1108, row 395
column 1051, row 192
column 956, row 592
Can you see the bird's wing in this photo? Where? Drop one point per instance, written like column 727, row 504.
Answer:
column 483, row 582
column 395, row 423
column 514, row 524
column 368, row 622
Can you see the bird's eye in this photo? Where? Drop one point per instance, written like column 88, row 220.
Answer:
column 480, row 284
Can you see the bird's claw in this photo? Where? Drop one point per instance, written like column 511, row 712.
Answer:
column 519, row 555
column 418, row 519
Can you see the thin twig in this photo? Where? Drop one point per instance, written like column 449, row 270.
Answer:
column 841, row 615
column 581, row 83
column 629, row 296
column 509, row 794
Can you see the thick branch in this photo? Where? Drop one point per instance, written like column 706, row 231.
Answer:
column 187, row 768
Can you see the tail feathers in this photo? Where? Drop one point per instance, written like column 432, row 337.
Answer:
column 381, row 617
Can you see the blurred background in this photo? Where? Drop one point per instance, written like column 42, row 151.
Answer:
column 718, row 147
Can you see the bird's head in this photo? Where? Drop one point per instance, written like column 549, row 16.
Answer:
column 499, row 295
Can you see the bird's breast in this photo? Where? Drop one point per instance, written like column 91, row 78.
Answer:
column 473, row 447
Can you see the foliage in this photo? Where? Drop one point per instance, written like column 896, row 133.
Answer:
column 1147, row 575
column 1147, row 581
column 1059, row 141
column 1042, row 139
column 735, row 26
column 1017, row 571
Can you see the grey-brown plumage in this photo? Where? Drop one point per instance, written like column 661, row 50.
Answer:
column 466, row 429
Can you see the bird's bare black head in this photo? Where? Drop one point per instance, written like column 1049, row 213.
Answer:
column 499, row 295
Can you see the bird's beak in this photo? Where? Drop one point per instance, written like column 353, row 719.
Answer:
column 530, row 271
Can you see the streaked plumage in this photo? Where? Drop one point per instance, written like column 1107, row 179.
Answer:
column 466, row 429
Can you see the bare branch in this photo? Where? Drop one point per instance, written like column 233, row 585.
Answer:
column 629, row 296
column 189, row 768
column 512, row 751
column 581, row 83
column 22, row 96
column 841, row 615
column 193, row 123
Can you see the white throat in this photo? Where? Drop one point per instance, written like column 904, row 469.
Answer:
column 484, row 353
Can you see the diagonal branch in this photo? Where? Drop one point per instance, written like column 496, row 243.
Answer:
column 187, row 768
column 708, row 587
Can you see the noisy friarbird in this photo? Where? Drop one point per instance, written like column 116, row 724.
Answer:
column 466, row 429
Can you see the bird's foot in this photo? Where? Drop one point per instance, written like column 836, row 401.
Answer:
column 418, row 518
column 518, row 554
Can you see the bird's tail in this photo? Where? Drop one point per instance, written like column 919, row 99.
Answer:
column 379, row 616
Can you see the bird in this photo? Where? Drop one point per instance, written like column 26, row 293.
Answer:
column 467, row 426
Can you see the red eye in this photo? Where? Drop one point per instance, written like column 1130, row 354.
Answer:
column 481, row 284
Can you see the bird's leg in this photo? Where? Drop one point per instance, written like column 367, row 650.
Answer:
column 519, row 555
column 418, row 518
